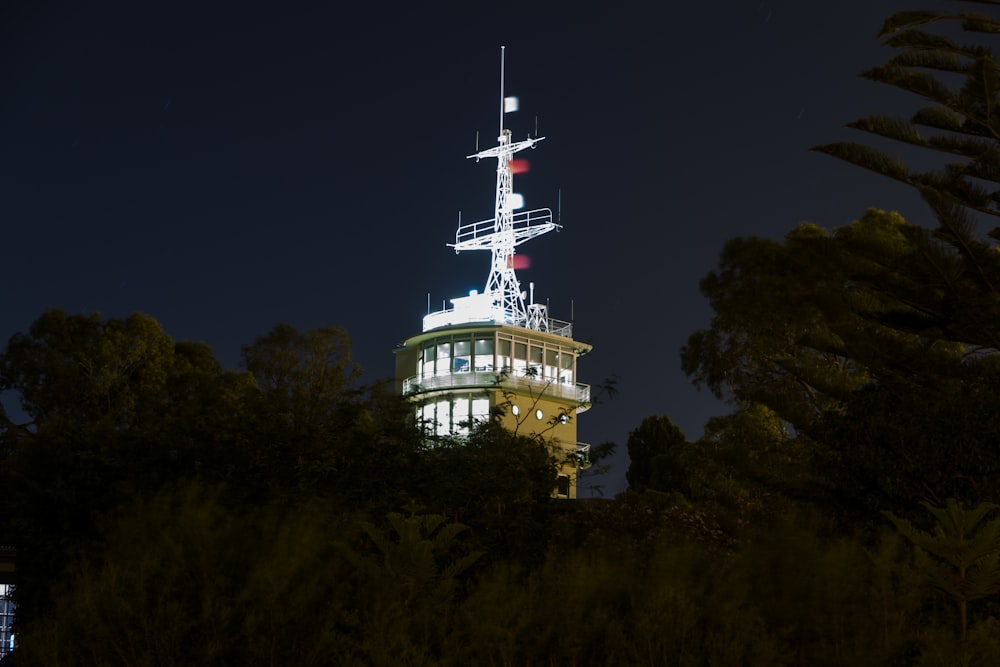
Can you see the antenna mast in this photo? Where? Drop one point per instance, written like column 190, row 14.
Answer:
column 507, row 229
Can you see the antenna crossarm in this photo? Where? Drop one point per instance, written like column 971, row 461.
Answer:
column 524, row 225
column 505, row 149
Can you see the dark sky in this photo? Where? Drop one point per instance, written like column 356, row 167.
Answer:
column 225, row 167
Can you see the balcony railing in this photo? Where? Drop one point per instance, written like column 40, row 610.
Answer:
column 495, row 315
column 526, row 384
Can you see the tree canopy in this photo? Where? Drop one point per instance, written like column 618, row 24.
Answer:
column 959, row 131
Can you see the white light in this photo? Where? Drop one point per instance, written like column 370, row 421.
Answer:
column 510, row 104
column 473, row 292
column 515, row 201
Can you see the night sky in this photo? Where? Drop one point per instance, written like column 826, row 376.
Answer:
column 227, row 167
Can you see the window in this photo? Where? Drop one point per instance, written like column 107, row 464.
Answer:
column 520, row 361
column 504, row 362
column 462, row 361
column 562, row 486
column 443, row 358
column 6, row 619
column 566, row 362
column 443, row 417
column 427, row 416
column 551, row 363
column 460, row 416
column 484, row 354
column 480, row 409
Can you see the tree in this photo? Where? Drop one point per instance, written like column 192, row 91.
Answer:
column 833, row 333
column 81, row 370
column 305, row 407
column 116, row 409
column 748, row 466
column 962, row 126
column 800, row 325
column 302, row 375
column 961, row 558
column 653, row 450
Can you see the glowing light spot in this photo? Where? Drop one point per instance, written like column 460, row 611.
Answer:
column 510, row 104
column 519, row 166
column 518, row 262
column 515, row 201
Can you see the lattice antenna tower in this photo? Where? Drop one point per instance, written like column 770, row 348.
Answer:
column 507, row 229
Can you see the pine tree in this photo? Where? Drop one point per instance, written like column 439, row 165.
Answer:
column 961, row 558
column 961, row 123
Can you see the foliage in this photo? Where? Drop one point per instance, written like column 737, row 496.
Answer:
column 800, row 325
column 884, row 402
column 497, row 482
column 961, row 125
column 116, row 408
column 651, row 448
column 408, row 588
column 961, row 557
column 184, row 580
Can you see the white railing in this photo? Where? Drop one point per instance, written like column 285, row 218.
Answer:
column 454, row 316
column 527, row 384
column 524, row 225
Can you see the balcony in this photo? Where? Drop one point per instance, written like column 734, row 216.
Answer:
column 529, row 385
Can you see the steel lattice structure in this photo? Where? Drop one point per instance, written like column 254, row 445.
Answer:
column 507, row 229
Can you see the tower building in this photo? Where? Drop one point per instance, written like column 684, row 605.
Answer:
column 496, row 349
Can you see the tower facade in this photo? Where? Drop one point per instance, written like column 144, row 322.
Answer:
column 495, row 349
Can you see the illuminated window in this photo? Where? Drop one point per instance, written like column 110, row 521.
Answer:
column 535, row 361
column 480, row 409
column 520, row 361
column 551, row 363
column 460, row 416
column 484, row 354
column 566, row 374
column 443, row 358
column 462, row 360
column 504, row 361
column 6, row 619
column 443, row 417
column 427, row 416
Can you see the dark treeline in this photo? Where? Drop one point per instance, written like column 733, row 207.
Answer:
column 169, row 511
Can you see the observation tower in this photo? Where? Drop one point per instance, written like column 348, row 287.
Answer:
column 498, row 348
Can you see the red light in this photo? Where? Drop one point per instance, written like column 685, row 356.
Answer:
column 518, row 262
column 519, row 166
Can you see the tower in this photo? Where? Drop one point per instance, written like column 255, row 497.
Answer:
column 494, row 349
